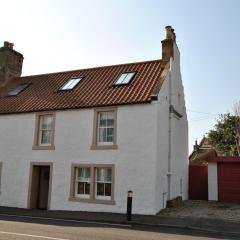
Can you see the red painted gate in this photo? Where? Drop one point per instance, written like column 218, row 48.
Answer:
column 229, row 182
column 198, row 182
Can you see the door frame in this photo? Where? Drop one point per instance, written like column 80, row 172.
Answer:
column 40, row 164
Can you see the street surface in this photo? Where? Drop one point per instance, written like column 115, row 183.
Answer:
column 19, row 228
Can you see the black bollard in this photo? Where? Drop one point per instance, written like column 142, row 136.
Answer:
column 129, row 205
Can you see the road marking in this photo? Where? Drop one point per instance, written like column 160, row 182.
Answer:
column 34, row 236
column 68, row 220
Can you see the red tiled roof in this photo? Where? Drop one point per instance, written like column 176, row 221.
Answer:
column 95, row 89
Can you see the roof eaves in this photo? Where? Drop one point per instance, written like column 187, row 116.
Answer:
column 77, row 108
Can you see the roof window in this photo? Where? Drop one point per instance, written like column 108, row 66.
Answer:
column 18, row 89
column 125, row 78
column 70, row 84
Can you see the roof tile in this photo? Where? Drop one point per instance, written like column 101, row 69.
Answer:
column 95, row 89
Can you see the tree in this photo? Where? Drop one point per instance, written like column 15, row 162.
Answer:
column 236, row 109
column 225, row 135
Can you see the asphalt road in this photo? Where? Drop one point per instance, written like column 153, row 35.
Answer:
column 19, row 228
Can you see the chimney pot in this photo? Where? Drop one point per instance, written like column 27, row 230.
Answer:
column 168, row 32
column 6, row 44
column 168, row 43
column 173, row 34
column 11, row 45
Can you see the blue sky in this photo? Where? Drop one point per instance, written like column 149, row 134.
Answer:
column 60, row 35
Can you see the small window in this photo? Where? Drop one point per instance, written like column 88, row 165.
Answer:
column 45, row 130
column 106, row 128
column 18, row 89
column 82, row 186
column 72, row 83
column 125, row 78
column 103, row 183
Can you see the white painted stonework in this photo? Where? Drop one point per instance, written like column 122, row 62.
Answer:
column 141, row 160
column 212, row 181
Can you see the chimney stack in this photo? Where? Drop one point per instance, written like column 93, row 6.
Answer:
column 196, row 146
column 5, row 44
column 8, row 45
column 10, row 63
column 167, row 44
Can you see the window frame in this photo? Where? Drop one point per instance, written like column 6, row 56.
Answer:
column 102, row 197
column 36, row 144
column 26, row 85
column 87, row 196
column 124, row 84
column 93, row 197
column 105, row 127
column 96, row 145
column 66, row 83
column 41, row 130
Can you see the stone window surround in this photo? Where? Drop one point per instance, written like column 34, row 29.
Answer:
column 95, row 145
column 92, row 198
column 36, row 145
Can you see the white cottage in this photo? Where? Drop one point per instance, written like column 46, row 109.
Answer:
column 80, row 140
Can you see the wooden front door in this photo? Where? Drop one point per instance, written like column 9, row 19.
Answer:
column 40, row 187
column 198, row 182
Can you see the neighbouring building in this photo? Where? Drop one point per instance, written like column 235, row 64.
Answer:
column 80, row 140
column 201, row 152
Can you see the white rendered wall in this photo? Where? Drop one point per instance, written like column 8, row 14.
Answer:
column 212, row 181
column 179, row 137
column 141, row 160
column 179, row 132
column 162, row 108
column 135, row 159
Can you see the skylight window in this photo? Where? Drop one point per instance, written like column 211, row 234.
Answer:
column 72, row 83
column 18, row 89
column 125, row 78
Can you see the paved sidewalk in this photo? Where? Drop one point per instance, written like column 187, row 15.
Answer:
column 205, row 209
column 185, row 216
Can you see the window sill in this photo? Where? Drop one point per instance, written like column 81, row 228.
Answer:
column 96, row 201
column 43, row 147
column 104, row 147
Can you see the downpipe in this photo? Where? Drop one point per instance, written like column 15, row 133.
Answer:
column 169, row 172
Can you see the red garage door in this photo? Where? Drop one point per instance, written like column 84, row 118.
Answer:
column 198, row 182
column 229, row 182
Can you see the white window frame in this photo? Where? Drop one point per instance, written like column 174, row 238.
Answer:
column 99, row 127
column 92, row 197
column 40, row 130
column 123, row 77
column 71, row 84
column 102, row 197
column 86, row 180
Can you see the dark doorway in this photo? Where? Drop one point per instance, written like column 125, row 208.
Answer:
column 198, row 182
column 39, row 195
